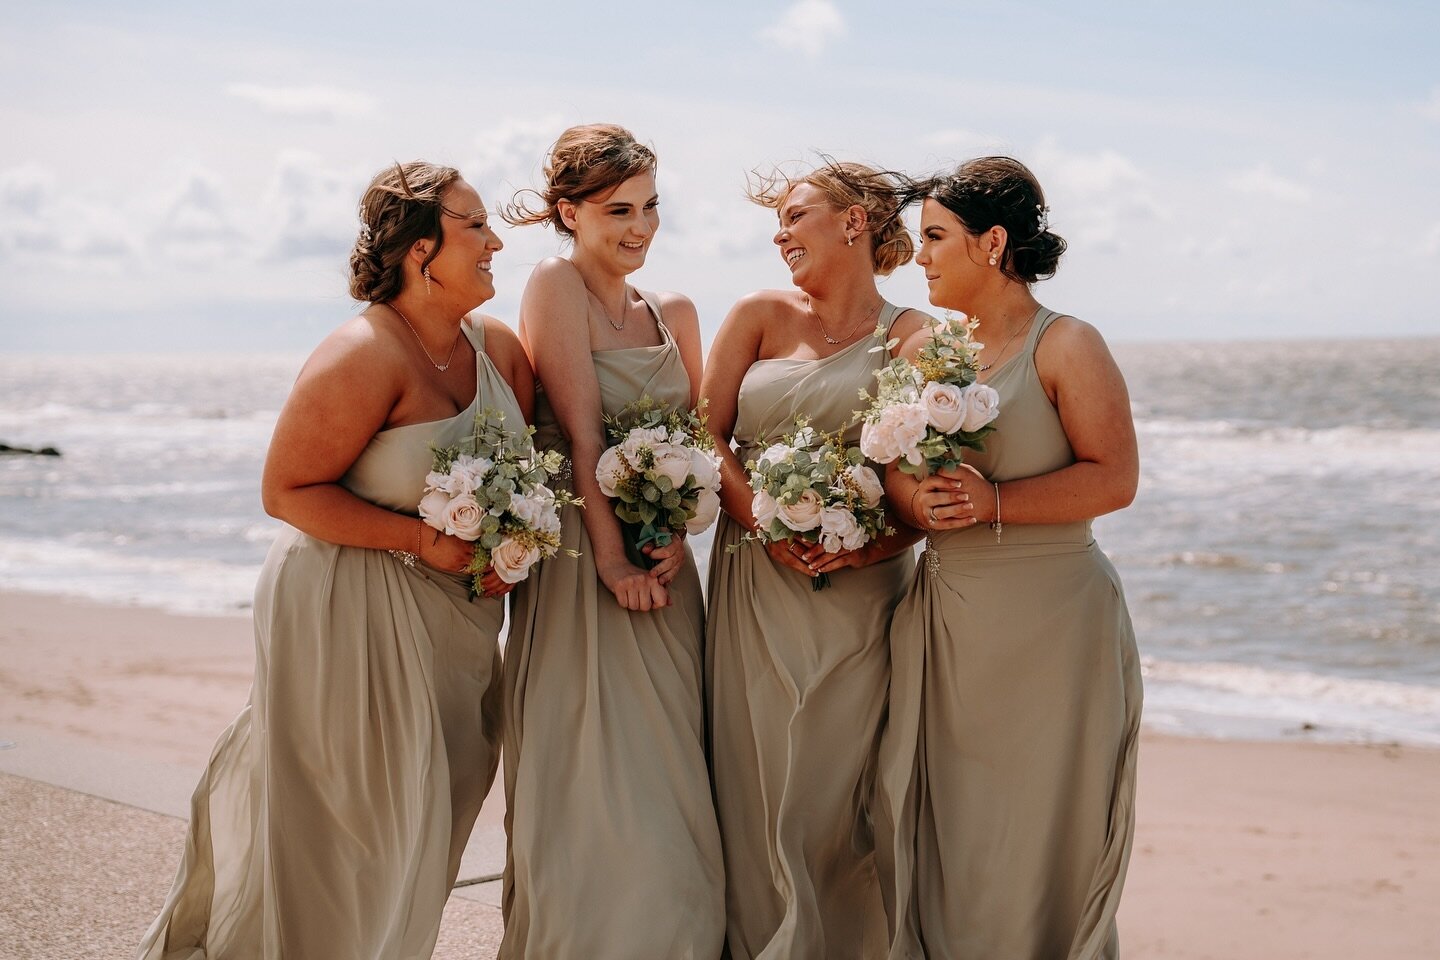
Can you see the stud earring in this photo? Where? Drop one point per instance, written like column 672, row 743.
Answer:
column 425, row 272
column 992, row 259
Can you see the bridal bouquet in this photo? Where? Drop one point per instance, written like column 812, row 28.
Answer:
column 490, row 490
column 661, row 471
column 926, row 413
column 812, row 488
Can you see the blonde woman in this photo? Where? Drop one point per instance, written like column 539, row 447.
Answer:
column 332, row 816
column 798, row 677
column 613, row 848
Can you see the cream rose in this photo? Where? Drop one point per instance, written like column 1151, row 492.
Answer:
column 512, row 560
column 432, row 508
column 839, row 530
column 896, row 433
column 944, row 406
column 871, row 489
column 705, row 468
column 982, row 405
column 611, row 471
column 765, row 508
column 673, row 463
column 639, row 439
column 803, row 514
column 462, row 517
column 706, row 510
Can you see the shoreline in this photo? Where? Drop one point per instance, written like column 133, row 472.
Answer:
column 1243, row 849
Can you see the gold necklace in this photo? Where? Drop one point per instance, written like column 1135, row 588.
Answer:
column 1003, row 347
column 438, row 366
column 617, row 327
column 821, row 324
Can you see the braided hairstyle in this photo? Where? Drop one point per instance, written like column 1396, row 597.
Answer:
column 401, row 205
column 846, row 184
column 999, row 191
column 586, row 161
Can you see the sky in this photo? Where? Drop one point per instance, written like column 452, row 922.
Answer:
column 183, row 178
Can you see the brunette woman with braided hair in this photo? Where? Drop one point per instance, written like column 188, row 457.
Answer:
column 1007, row 782
column 332, row 816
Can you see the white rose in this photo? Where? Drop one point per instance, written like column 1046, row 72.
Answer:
column 705, row 468
column 776, row 453
column 462, row 517
column 432, row 508
column 512, row 560
column 944, row 405
column 706, row 510
column 982, row 404
column 672, row 462
column 839, row 530
column 803, row 514
column 641, row 438
column 895, row 434
column 611, row 471
column 765, row 508
column 870, row 486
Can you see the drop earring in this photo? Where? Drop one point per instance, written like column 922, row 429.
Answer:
column 425, row 272
column 849, row 240
column 992, row 259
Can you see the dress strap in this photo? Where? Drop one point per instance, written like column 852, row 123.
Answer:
column 888, row 315
column 653, row 302
column 1043, row 318
column 474, row 330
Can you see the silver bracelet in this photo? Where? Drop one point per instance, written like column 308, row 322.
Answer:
column 995, row 524
column 408, row 557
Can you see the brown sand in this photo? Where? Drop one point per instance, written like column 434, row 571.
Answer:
column 1271, row 851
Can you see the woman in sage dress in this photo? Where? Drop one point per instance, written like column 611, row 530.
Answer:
column 613, row 848
column 334, row 810
column 797, row 677
column 1008, row 765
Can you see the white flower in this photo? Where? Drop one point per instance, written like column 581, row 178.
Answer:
column 672, row 462
column 765, row 508
column 512, row 560
column 452, row 483
column 871, row 489
column 639, row 439
column 705, row 468
column 944, row 405
column 706, row 510
column 432, row 508
column 463, row 516
column 804, row 438
column 473, row 468
column 982, row 404
column 839, row 530
column 611, row 471
column 536, row 512
column 803, row 514
column 775, row 454
column 896, row 433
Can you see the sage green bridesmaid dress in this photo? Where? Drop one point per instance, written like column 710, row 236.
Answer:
column 1007, row 800
column 333, row 813
column 797, row 683
column 613, row 847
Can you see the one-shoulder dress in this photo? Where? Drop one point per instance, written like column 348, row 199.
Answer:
column 331, row 818
column 613, row 847
column 798, row 682
column 1008, row 764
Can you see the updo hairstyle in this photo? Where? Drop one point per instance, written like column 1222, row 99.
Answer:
column 847, row 184
column 1000, row 191
column 586, row 161
column 401, row 205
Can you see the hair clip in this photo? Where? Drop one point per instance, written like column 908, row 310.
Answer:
column 365, row 231
column 1042, row 218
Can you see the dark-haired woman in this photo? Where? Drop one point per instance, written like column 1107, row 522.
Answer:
column 1008, row 766
column 613, row 847
column 332, row 816
column 798, row 677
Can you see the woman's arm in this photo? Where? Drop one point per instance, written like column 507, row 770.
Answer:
column 340, row 400
column 555, row 331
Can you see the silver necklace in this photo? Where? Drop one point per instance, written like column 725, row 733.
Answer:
column 821, row 324
column 1003, row 347
column 442, row 367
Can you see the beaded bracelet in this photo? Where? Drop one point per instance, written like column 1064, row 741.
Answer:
column 405, row 556
column 995, row 524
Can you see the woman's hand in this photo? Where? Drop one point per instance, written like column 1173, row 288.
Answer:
column 492, row 586
column 668, row 559
column 634, row 588
column 444, row 552
column 953, row 499
column 793, row 554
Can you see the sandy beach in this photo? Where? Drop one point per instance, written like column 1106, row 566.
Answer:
column 1243, row 850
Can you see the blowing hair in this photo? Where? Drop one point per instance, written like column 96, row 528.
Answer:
column 998, row 192
column 586, row 161
column 846, row 184
column 401, row 205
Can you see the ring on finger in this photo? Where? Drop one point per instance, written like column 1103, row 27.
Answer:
column 930, row 515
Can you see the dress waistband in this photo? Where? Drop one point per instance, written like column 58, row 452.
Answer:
column 1028, row 539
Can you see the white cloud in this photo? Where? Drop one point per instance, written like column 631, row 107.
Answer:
column 807, row 27
column 510, row 154
column 40, row 222
column 311, row 208
column 1097, row 199
column 314, row 102
column 1265, row 182
column 967, row 143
